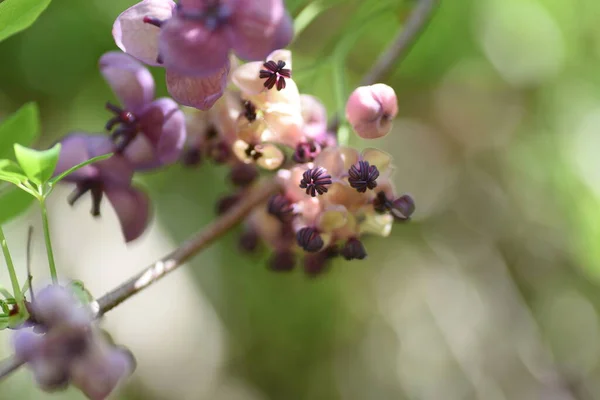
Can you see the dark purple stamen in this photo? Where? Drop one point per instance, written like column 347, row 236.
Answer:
column 127, row 127
column 248, row 241
column 249, row 111
column 401, row 208
column 282, row 261
column 219, row 151
column 309, row 239
column 275, row 74
column 192, row 156
column 315, row 180
column 280, row 207
column 306, row 152
column 354, row 250
column 153, row 21
column 252, row 152
column 317, row 263
column 363, row 176
column 243, row 174
column 92, row 186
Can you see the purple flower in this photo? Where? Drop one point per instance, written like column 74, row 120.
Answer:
column 198, row 38
column 71, row 350
column 111, row 177
column 151, row 132
column 193, row 40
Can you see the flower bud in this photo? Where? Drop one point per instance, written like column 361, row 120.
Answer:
column 371, row 109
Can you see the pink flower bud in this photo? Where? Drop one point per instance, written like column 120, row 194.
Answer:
column 371, row 109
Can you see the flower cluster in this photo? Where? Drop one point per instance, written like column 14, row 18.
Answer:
column 332, row 195
column 66, row 347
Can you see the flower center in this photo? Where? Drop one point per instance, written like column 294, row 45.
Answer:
column 127, row 127
column 275, row 74
column 252, row 153
column 306, row 152
column 213, row 16
column 315, row 180
column 363, row 176
column 89, row 185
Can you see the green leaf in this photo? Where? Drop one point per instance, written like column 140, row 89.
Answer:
column 78, row 166
column 38, row 165
column 21, row 127
column 80, row 292
column 3, row 323
column 13, row 202
column 17, row 15
column 11, row 172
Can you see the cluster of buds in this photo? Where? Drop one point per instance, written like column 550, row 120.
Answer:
column 65, row 347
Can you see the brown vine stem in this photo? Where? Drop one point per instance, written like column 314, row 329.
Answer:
column 405, row 39
column 398, row 49
column 195, row 244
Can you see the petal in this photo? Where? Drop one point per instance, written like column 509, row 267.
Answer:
column 132, row 207
column 250, row 132
column 331, row 159
column 284, row 128
column 332, row 218
column 164, row 125
column 379, row 158
column 189, row 48
column 377, row 224
column 342, row 194
column 291, row 182
column 272, row 157
column 281, row 55
column 309, row 208
column 255, row 25
column 350, row 156
column 197, row 92
column 314, row 115
column 78, row 148
column 239, row 149
column 246, row 77
column 141, row 153
column 130, row 80
column 137, row 38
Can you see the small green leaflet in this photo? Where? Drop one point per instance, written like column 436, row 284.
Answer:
column 21, row 127
column 38, row 165
column 17, row 15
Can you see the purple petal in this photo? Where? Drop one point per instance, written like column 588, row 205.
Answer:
column 259, row 27
column 141, row 153
column 129, row 79
column 197, row 92
column 78, row 148
column 189, row 48
column 163, row 124
column 132, row 207
column 137, row 38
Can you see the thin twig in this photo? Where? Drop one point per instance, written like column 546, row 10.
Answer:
column 170, row 262
column 403, row 42
column 187, row 250
column 9, row 366
column 398, row 49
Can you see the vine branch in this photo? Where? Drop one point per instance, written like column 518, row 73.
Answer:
column 405, row 39
column 194, row 245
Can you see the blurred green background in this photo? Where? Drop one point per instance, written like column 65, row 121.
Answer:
column 490, row 293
